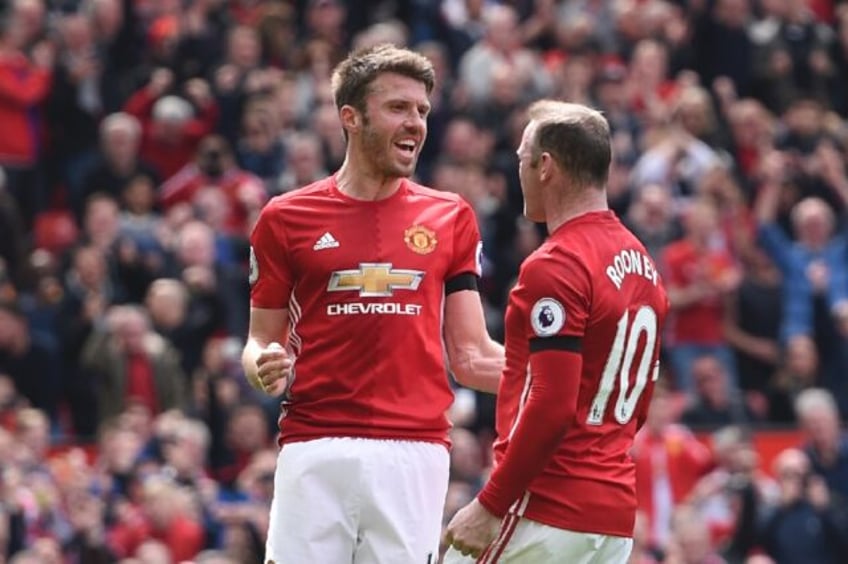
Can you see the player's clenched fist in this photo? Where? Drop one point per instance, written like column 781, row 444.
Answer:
column 274, row 369
column 472, row 529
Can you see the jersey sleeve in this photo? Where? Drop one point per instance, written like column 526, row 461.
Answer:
column 554, row 297
column 270, row 272
column 555, row 294
column 467, row 246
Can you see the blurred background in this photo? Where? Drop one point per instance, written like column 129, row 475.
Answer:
column 140, row 138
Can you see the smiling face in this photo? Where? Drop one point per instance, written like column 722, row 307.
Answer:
column 394, row 124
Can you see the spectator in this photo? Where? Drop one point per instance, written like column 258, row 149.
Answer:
column 117, row 163
column 807, row 265
column 214, row 168
column 714, row 404
column 75, row 105
column 170, row 129
column 803, row 526
column 246, row 433
column 751, row 130
column 88, row 293
column 669, row 461
column 176, row 318
column 826, row 445
column 785, row 50
column 652, row 218
column 651, row 93
column 86, row 516
column 751, row 327
column 167, row 519
column 699, row 274
column 129, row 269
column 304, row 163
column 131, row 363
column 32, row 440
column 24, row 86
column 277, row 34
column 217, row 289
column 691, row 542
column 501, row 44
column 724, row 25
column 720, row 496
column 260, row 148
column 326, row 125
column 238, row 77
column 140, row 224
column 184, row 454
column 31, row 361
column 12, row 236
column 694, row 110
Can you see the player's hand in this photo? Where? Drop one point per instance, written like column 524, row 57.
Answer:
column 472, row 529
column 274, row 369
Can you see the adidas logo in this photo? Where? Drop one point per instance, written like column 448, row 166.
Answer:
column 326, row 241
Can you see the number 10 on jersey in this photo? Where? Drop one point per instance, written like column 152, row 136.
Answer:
column 620, row 364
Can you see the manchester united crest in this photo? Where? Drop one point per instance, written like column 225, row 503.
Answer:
column 420, row 239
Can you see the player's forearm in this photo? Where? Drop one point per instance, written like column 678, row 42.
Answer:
column 543, row 422
column 251, row 352
column 479, row 367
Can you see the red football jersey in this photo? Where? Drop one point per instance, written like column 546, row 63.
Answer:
column 364, row 285
column 594, row 283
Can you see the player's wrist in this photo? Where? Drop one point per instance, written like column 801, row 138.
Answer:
column 490, row 503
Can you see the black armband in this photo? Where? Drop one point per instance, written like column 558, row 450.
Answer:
column 556, row 343
column 464, row 281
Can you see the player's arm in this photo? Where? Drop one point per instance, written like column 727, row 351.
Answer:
column 555, row 367
column 553, row 296
column 266, row 326
column 475, row 359
column 270, row 288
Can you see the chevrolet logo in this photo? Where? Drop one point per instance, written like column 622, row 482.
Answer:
column 375, row 279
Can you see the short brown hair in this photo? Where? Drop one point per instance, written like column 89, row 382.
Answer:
column 353, row 76
column 576, row 136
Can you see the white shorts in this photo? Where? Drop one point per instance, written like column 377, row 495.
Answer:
column 360, row 501
column 522, row 541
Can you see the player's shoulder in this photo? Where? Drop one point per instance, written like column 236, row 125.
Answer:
column 614, row 230
column 425, row 193
column 552, row 258
column 309, row 195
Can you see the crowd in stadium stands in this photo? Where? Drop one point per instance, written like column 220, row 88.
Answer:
column 139, row 139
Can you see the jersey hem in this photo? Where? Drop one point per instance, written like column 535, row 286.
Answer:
column 600, row 521
column 300, row 437
column 576, row 528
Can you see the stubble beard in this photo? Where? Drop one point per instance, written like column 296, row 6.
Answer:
column 379, row 148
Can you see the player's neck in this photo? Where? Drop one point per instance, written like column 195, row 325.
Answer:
column 361, row 182
column 561, row 209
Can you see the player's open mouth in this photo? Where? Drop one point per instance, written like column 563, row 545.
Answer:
column 407, row 147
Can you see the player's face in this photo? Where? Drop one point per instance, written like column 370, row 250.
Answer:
column 395, row 124
column 528, row 173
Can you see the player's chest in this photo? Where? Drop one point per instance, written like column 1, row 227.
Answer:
column 371, row 248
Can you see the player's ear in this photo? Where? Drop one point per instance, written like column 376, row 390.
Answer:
column 546, row 166
column 351, row 118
